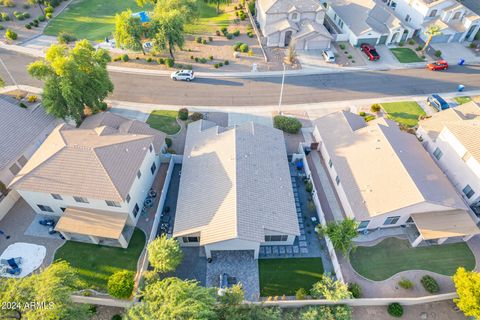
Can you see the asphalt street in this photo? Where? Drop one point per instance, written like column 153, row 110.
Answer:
column 266, row 91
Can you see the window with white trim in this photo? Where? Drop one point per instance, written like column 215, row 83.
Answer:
column 191, row 239
column 391, row 220
column 275, row 238
column 112, row 203
column 468, row 191
column 153, row 168
column 56, row 196
column 337, row 180
column 135, row 210
column 80, row 199
column 330, row 163
column 363, row 224
column 44, row 208
column 437, row 153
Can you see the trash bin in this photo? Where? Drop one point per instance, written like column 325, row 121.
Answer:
column 461, row 62
column 460, row 87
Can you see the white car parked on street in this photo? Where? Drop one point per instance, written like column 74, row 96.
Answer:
column 187, row 75
column 328, row 55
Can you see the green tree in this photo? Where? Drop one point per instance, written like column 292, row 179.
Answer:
column 340, row 312
column 341, row 234
column 53, row 285
column 164, row 254
column 167, row 31
column 188, row 8
column 121, row 283
column 74, row 79
column 218, row 3
column 128, row 31
column 467, row 284
column 172, row 298
column 330, row 289
column 230, row 300
column 432, row 31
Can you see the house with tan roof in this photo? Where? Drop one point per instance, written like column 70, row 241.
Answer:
column 235, row 189
column 384, row 178
column 93, row 179
column 452, row 137
column 299, row 22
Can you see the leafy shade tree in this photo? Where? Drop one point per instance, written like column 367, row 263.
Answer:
column 467, row 284
column 188, row 8
column 341, row 234
column 230, row 301
column 330, row 289
column 74, row 79
column 53, row 285
column 167, row 31
column 340, row 312
column 218, row 3
column 128, row 31
column 164, row 254
column 121, row 283
column 432, row 31
column 172, row 298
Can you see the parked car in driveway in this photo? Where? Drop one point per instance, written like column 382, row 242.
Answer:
column 437, row 102
column 186, row 75
column 370, row 51
column 438, row 65
column 328, row 55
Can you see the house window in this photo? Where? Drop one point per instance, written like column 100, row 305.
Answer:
column 63, row 209
column 335, row 17
column 44, row 208
column 14, row 169
column 391, row 220
column 135, row 210
column 433, row 13
column 139, row 174
column 409, row 220
column 153, row 168
column 56, row 196
column 363, row 224
column 128, row 198
column 437, row 153
column 468, row 191
column 22, row 160
column 407, row 18
column 111, row 203
column 457, row 15
column 80, row 199
column 190, row 239
column 150, row 148
column 276, row 238
column 294, row 16
column 330, row 163
column 337, row 180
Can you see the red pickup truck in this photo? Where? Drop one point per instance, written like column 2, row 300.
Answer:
column 370, row 51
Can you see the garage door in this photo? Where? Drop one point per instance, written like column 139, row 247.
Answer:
column 372, row 41
column 318, row 44
column 457, row 36
column 440, row 39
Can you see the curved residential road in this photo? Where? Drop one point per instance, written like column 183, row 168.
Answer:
column 265, row 90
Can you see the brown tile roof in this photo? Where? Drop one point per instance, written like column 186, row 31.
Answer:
column 444, row 224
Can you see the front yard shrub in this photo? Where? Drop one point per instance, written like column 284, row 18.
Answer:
column 341, row 46
column 120, row 284
column 204, row 41
column 4, row 16
column 438, row 53
column 192, row 57
column 375, row 107
column 226, row 62
column 301, row 294
column 168, row 142
column 236, row 33
column 210, row 57
column 26, row 15
column 250, row 34
column 251, row 7
column 65, row 37
column 218, row 33
column 169, row 62
column 117, row 58
column 243, row 16
column 35, row 23
column 149, row 59
column 183, row 114
column 196, row 59
column 229, row 36
column 28, row 26
column 9, row 3
column 236, row 46
column 244, row 47
column 41, row 18
column 287, row 124
column 198, row 39
column 220, row 64
column 369, row 117
column 10, row 34
column 401, row 44
column 224, row 30
column 196, row 116
column 411, row 42
column 350, row 56
column 210, row 39
column 18, row 15
column 355, row 289
column 116, row 317
column 23, row 105
column 405, row 284
column 216, row 65
column 309, row 186
column 161, row 61
column 32, row 98
column 430, row 284
column 49, row 16
column 203, row 60
column 49, row 9
column 395, row 310
column 125, row 57
column 362, row 114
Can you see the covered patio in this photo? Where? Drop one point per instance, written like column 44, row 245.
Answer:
column 95, row 226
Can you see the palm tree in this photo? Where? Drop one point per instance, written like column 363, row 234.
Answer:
column 432, row 31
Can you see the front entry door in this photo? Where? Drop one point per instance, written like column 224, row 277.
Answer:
column 288, row 38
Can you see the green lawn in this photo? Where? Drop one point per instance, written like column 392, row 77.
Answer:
column 164, row 120
column 404, row 112
column 462, row 100
column 406, row 55
column 209, row 21
column 90, row 19
column 95, row 263
column 285, row 276
column 393, row 255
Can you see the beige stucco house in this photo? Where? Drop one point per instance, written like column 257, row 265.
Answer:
column 384, row 178
column 235, row 189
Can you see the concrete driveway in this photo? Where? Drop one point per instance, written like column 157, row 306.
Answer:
column 387, row 59
column 454, row 51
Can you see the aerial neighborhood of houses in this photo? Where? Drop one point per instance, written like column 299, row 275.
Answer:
column 243, row 159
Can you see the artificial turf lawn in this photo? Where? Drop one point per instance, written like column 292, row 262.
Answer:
column 406, row 55
column 95, row 263
column 404, row 112
column 90, row 19
column 286, row 276
column 164, row 120
column 393, row 255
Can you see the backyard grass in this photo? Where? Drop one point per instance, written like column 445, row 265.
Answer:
column 164, row 120
column 462, row 100
column 95, row 263
column 393, row 255
column 406, row 55
column 285, row 276
column 90, row 19
column 208, row 19
column 404, row 112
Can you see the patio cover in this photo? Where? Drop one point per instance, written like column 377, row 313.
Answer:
column 445, row 224
column 105, row 224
